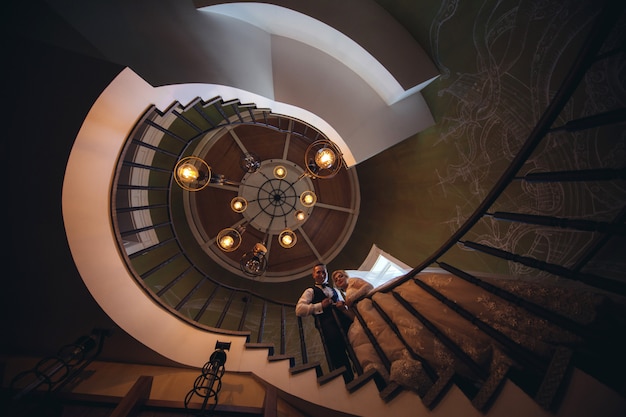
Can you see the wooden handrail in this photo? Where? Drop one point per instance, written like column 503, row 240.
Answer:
column 583, row 175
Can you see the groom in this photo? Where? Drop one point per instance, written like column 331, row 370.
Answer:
column 319, row 301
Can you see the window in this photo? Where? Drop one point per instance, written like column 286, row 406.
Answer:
column 379, row 267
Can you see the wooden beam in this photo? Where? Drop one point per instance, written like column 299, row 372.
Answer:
column 270, row 405
column 135, row 398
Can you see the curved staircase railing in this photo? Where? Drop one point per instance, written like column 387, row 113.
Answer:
column 541, row 376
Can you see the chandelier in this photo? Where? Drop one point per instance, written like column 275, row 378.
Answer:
column 274, row 196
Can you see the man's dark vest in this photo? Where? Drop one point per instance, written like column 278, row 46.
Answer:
column 319, row 295
column 327, row 314
column 327, row 317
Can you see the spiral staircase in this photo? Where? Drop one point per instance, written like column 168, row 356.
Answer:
column 283, row 351
column 267, row 340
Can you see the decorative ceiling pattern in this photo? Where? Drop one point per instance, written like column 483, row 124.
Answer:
column 272, row 202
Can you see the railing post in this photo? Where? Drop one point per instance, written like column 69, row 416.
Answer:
column 305, row 358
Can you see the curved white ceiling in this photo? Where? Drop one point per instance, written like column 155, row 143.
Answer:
column 288, row 23
column 350, row 63
column 319, row 68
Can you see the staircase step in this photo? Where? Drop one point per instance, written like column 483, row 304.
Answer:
column 361, row 380
column 331, row 375
column 275, row 358
column 439, row 388
column 391, row 391
column 268, row 346
column 305, row 367
column 551, row 385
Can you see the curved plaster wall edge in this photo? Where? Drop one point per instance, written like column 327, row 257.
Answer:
column 281, row 21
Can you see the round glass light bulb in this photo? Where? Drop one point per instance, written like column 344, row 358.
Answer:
column 192, row 173
column 227, row 242
column 300, row 215
column 239, row 204
column 188, row 173
column 308, row 198
column 228, row 239
column 253, row 263
column 325, row 158
column 287, row 238
column 280, row 172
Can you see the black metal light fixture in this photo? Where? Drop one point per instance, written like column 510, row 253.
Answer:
column 250, row 162
column 273, row 195
column 209, row 383
column 254, row 262
column 54, row 372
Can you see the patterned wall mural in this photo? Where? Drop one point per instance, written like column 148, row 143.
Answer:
column 500, row 63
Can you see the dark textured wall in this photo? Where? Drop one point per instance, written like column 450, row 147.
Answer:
column 500, row 63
